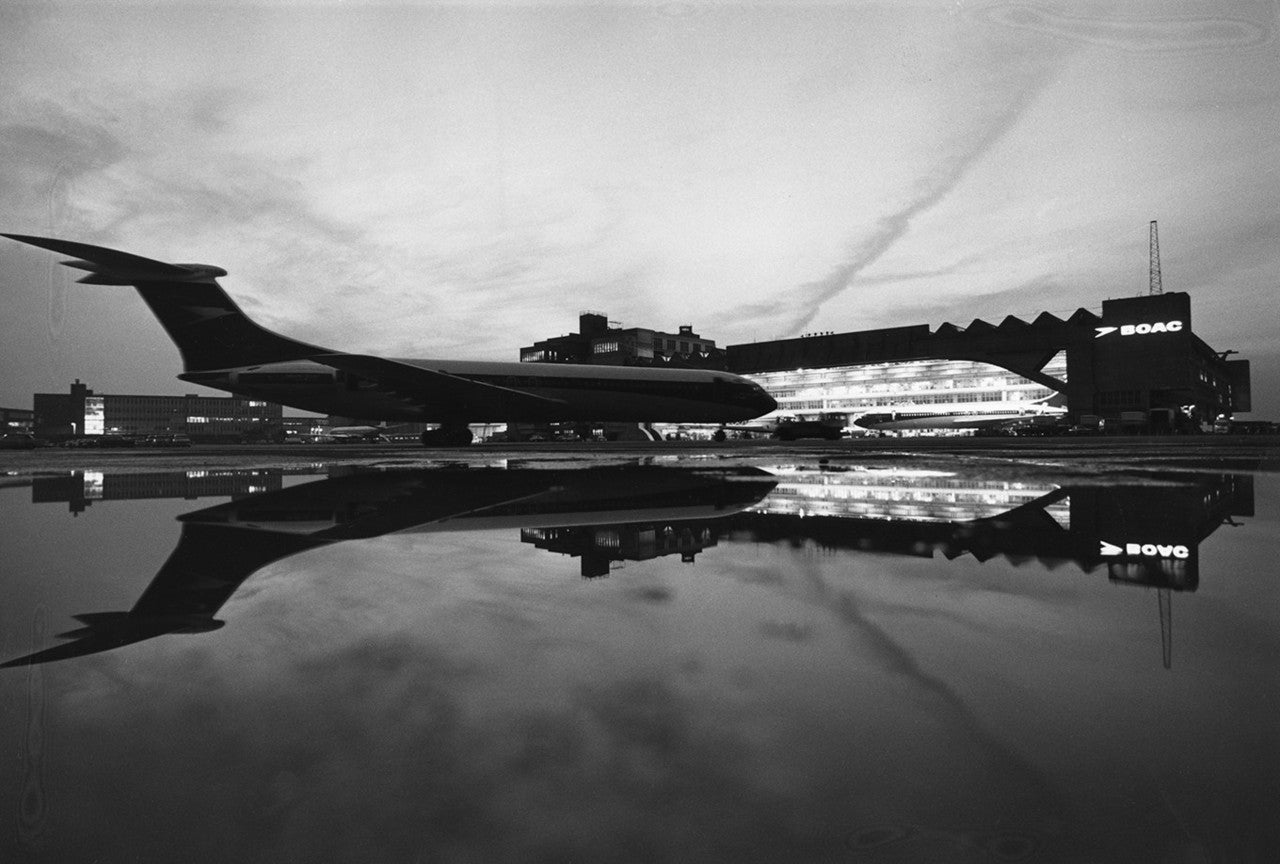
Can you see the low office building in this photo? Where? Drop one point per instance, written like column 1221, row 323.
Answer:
column 16, row 421
column 83, row 413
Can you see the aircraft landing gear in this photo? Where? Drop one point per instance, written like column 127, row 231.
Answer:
column 447, row 436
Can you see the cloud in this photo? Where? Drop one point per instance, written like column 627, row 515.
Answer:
column 1169, row 33
column 1006, row 97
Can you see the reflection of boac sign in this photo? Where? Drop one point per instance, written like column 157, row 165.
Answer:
column 1144, row 550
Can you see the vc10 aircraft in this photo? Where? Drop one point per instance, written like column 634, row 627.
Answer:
column 221, row 348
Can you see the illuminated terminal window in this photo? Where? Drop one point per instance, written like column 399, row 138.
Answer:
column 936, row 386
column 94, row 415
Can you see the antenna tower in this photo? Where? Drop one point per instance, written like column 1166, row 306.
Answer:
column 1155, row 287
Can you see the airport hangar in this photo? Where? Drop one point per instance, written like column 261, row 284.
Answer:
column 1138, row 366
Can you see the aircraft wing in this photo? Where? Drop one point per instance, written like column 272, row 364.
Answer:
column 433, row 387
column 209, row 563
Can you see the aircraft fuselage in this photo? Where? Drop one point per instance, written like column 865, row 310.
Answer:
column 574, row 392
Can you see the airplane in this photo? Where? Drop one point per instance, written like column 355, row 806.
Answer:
column 357, row 433
column 223, row 349
column 1045, row 409
column 834, row 426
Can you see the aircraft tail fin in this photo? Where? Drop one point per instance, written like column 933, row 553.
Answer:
column 210, row 330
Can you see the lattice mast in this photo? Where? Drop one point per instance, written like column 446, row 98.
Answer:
column 1155, row 286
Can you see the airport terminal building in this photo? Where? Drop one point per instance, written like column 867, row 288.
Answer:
column 1137, row 367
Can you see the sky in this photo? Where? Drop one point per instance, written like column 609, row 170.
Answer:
column 459, row 180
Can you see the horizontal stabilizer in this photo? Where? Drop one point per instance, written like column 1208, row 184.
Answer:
column 204, row 322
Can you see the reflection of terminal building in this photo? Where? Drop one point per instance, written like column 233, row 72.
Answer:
column 601, row 546
column 79, row 489
column 1143, row 533
column 81, row 412
column 904, row 495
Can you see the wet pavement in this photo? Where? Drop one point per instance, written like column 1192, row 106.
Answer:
column 957, row 653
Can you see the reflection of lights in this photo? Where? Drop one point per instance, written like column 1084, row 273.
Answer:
column 915, row 495
column 93, row 485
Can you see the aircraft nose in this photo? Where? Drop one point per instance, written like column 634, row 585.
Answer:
column 763, row 402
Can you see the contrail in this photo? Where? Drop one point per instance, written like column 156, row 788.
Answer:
column 802, row 304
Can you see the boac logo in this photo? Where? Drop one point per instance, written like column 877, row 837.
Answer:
column 1141, row 329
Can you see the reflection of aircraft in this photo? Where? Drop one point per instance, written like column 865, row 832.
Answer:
column 1143, row 533
column 222, row 546
column 222, row 348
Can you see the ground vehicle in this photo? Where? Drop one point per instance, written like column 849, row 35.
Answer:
column 793, row 430
column 18, row 441
column 166, row 440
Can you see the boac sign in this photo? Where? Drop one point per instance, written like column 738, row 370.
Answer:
column 1141, row 329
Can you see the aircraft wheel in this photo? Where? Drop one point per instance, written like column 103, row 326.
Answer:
column 718, row 435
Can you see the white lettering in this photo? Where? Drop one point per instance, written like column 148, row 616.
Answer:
column 1141, row 329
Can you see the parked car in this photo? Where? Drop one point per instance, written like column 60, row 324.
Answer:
column 166, row 440
column 117, row 441
column 794, row 430
column 80, row 442
column 18, row 441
